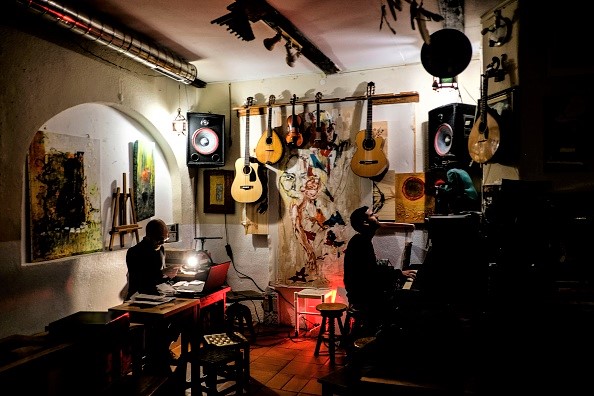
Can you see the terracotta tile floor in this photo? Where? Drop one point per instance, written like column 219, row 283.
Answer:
column 285, row 365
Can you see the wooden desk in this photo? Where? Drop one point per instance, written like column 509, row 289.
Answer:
column 181, row 312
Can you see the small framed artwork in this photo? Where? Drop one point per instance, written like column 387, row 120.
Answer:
column 217, row 192
column 173, row 232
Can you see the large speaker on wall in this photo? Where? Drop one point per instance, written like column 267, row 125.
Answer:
column 206, row 139
column 449, row 128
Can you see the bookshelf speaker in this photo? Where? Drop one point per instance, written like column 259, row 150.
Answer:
column 449, row 127
column 206, row 139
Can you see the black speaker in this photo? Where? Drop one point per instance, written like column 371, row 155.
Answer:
column 206, row 139
column 449, row 128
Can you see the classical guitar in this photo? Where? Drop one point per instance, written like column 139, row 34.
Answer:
column 246, row 186
column 294, row 122
column 270, row 148
column 484, row 137
column 369, row 159
column 320, row 140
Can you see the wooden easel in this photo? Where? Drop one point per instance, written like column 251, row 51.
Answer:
column 119, row 224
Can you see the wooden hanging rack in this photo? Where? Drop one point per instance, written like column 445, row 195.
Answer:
column 380, row 99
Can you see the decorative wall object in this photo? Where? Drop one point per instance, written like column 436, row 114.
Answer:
column 217, row 191
column 318, row 194
column 384, row 197
column 64, row 196
column 144, row 179
column 410, row 198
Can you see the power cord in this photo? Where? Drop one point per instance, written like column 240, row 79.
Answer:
column 230, row 254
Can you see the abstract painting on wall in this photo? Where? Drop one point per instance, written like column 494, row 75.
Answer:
column 144, row 179
column 384, row 202
column 64, row 196
column 411, row 201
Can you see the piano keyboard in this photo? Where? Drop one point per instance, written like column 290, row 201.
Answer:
column 408, row 284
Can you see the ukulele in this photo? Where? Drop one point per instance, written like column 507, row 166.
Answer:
column 369, row 159
column 270, row 148
column 320, row 140
column 246, row 186
column 484, row 137
column 294, row 122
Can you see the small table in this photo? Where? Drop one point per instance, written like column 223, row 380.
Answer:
column 303, row 308
column 185, row 313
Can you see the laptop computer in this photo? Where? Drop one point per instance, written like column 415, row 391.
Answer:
column 217, row 275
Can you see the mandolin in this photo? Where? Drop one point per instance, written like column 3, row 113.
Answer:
column 270, row 148
column 484, row 137
column 246, row 186
column 294, row 123
column 320, row 139
column 369, row 159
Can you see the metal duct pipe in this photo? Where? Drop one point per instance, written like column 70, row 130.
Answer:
column 158, row 59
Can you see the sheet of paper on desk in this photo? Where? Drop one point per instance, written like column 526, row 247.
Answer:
column 185, row 286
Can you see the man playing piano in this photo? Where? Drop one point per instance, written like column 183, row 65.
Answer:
column 369, row 292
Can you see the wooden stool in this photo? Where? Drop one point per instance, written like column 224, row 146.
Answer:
column 331, row 314
column 239, row 317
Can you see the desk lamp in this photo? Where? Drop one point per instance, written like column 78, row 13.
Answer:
column 200, row 259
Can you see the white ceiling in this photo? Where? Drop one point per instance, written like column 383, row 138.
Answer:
column 346, row 31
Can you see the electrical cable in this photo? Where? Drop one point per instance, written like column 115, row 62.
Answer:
column 230, row 254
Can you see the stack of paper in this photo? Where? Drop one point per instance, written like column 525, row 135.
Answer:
column 194, row 286
column 149, row 299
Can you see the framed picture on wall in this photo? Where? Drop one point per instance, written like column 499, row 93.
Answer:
column 217, row 192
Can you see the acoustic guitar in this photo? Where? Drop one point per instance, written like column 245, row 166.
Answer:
column 294, row 122
column 246, row 186
column 369, row 159
column 484, row 137
column 320, row 139
column 270, row 148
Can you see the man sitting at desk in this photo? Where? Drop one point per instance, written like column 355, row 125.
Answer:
column 146, row 270
column 146, row 261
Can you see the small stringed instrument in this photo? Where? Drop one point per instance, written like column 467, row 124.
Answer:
column 369, row 159
column 246, row 186
column 320, row 140
column 294, row 122
column 270, row 148
column 484, row 137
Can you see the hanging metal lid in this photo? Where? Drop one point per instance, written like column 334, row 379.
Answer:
column 448, row 54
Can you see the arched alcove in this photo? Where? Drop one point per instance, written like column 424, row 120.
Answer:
column 110, row 130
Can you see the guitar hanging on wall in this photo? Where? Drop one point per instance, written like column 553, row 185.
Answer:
column 294, row 123
column 320, row 139
column 270, row 148
column 484, row 137
column 369, row 159
column 246, row 186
